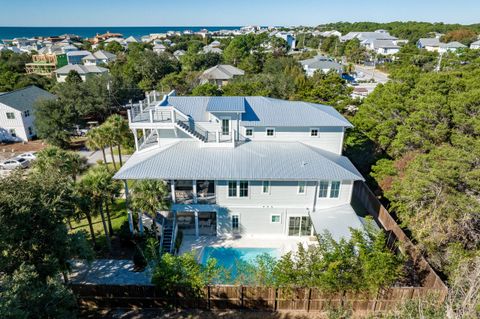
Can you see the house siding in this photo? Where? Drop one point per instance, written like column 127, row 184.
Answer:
column 20, row 123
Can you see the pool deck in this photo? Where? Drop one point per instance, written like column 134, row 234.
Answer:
column 284, row 244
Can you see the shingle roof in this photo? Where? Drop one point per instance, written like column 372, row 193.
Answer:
column 81, row 69
column 249, row 161
column 221, row 72
column 260, row 111
column 25, row 99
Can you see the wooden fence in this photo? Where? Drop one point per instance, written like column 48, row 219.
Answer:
column 270, row 298
column 244, row 298
column 429, row 278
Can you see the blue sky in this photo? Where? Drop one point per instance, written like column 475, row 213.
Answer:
column 230, row 12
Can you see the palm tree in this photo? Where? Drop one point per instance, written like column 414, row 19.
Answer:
column 149, row 196
column 120, row 131
column 83, row 206
column 95, row 141
column 106, row 133
column 99, row 185
column 65, row 162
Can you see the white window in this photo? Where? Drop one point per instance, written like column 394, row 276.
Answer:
column 301, row 188
column 235, row 223
column 26, row 113
column 243, row 189
column 275, row 219
column 249, row 132
column 237, row 188
column 314, row 132
column 323, row 189
column 266, row 187
column 10, row 115
column 334, row 189
column 270, row 131
column 232, row 189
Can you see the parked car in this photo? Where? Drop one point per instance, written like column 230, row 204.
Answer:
column 29, row 156
column 13, row 163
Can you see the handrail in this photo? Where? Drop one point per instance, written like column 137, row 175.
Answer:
column 174, row 235
column 162, row 238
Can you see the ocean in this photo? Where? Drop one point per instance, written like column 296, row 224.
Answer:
column 88, row 32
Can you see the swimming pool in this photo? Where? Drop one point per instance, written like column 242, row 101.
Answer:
column 228, row 257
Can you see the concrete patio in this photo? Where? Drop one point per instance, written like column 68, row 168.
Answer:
column 108, row 272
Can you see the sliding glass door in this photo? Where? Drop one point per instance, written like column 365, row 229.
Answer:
column 299, row 226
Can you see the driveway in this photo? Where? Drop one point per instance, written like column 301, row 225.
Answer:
column 95, row 156
column 370, row 72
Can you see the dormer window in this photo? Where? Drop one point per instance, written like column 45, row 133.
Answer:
column 270, row 131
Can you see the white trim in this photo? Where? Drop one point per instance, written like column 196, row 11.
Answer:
column 268, row 189
column 249, row 128
column 319, row 189
column 238, row 189
column 231, row 223
column 266, row 131
column 330, row 189
column 228, row 189
column 318, row 132
column 304, row 188
column 279, row 221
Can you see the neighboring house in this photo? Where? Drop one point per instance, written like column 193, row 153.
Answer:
column 99, row 57
column 361, row 36
column 45, row 64
column 178, row 54
column 288, row 37
column 240, row 166
column 429, row 44
column 451, row 47
column 322, row 64
column 215, row 44
column 210, row 49
column 17, row 113
column 385, row 47
column 132, row 39
column 331, row 33
column 75, row 57
column 220, row 74
column 159, row 48
column 475, row 45
column 85, row 71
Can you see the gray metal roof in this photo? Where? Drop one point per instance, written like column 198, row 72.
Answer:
column 250, row 161
column 81, row 69
column 226, row 104
column 452, row 45
column 321, row 63
column 260, row 111
column 431, row 42
column 25, row 99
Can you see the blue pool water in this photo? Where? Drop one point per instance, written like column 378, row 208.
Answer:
column 228, row 257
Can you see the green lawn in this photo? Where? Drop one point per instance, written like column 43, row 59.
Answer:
column 118, row 216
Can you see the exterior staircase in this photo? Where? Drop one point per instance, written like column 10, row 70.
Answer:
column 167, row 241
column 192, row 132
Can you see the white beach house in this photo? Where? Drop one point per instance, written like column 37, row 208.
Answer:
column 239, row 166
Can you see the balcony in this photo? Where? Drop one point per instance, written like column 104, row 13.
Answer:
column 185, row 193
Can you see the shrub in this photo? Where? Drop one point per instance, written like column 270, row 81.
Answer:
column 139, row 259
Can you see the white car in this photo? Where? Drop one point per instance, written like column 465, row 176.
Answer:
column 29, row 156
column 13, row 163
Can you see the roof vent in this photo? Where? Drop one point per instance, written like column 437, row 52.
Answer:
column 304, row 163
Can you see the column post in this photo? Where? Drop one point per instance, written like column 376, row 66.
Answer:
column 194, row 188
column 172, row 185
column 135, row 136
column 129, row 212
column 197, row 230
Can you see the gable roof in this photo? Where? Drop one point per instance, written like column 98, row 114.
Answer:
column 81, row 69
column 250, row 161
column 321, row 62
column 104, row 55
column 221, row 72
column 387, row 44
column 259, row 111
column 430, row 42
column 25, row 99
column 452, row 45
